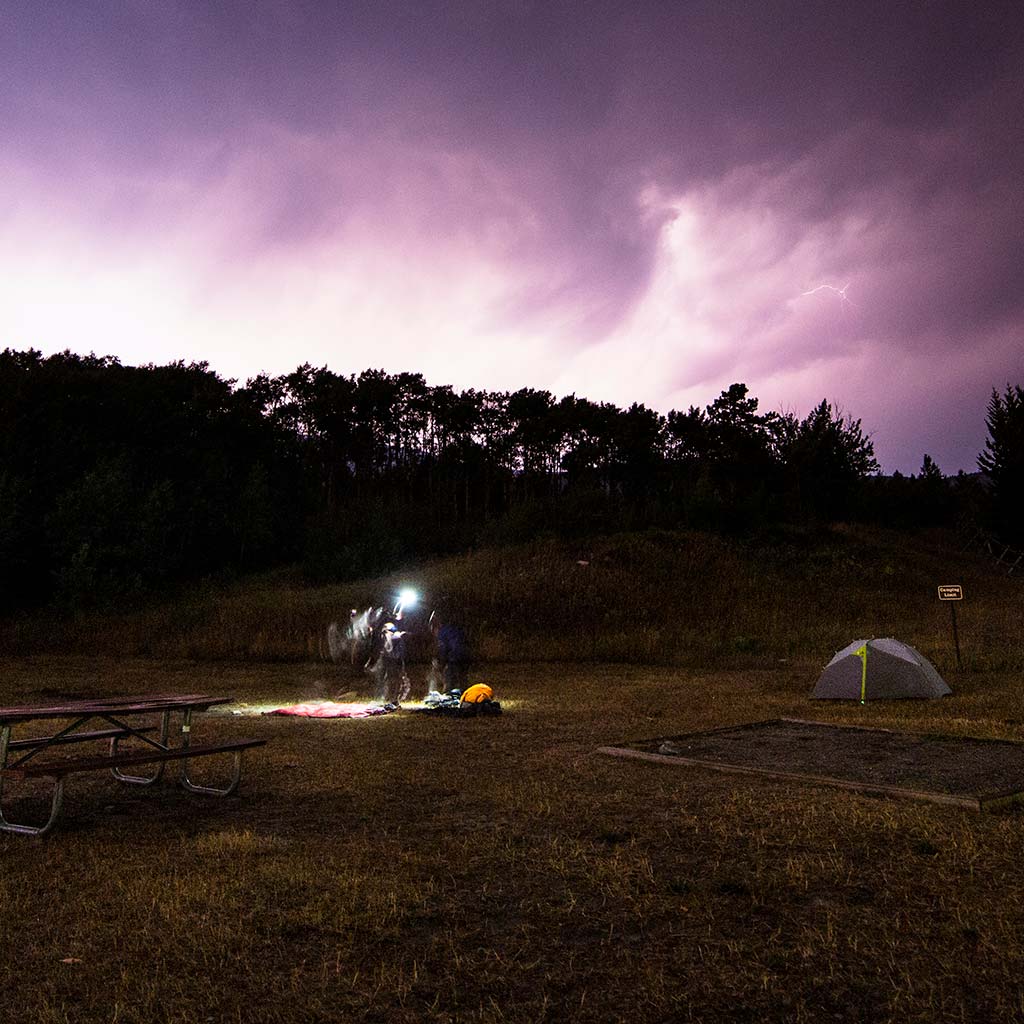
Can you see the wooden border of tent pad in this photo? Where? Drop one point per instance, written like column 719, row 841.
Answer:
column 981, row 802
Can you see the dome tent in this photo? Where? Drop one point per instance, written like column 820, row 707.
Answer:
column 883, row 669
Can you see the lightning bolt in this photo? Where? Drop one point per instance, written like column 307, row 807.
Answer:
column 844, row 299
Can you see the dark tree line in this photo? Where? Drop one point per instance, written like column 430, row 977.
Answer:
column 117, row 480
column 1003, row 462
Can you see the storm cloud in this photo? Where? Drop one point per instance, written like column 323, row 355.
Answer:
column 630, row 202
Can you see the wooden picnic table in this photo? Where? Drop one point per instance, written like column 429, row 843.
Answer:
column 122, row 719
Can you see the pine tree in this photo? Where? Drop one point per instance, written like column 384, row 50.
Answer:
column 1003, row 461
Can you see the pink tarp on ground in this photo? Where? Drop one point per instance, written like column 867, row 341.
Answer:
column 329, row 709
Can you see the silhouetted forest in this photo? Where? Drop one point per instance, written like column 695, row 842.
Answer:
column 120, row 480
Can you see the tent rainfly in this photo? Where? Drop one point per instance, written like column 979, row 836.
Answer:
column 884, row 669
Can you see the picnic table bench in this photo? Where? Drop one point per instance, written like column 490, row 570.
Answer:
column 27, row 757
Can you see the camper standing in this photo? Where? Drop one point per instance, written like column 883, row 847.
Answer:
column 392, row 655
column 451, row 653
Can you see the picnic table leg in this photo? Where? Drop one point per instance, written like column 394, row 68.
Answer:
column 144, row 780
column 55, row 805
column 187, row 783
column 37, row 830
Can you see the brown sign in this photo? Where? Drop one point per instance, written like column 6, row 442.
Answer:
column 951, row 592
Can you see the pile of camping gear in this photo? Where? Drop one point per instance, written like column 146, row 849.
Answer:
column 476, row 700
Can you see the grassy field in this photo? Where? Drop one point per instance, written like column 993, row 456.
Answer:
column 499, row 870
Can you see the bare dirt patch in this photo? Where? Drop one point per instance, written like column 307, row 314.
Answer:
column 978, row 771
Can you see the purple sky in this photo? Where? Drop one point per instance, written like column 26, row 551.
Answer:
column 630, row 201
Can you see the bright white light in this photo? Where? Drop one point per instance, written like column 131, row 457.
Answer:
column 407, row 598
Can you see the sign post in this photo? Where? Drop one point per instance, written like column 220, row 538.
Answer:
column 953, row 592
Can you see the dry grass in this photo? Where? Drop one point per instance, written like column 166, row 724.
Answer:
column 406, row 869
column 497, row 870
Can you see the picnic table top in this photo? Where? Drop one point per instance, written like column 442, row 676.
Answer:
column 133, row 705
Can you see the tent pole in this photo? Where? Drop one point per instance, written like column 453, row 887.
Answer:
column 863, row 655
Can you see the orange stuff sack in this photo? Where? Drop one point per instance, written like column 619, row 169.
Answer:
column 477, row 693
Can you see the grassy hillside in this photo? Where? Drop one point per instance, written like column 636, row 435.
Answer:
column 678, row 598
